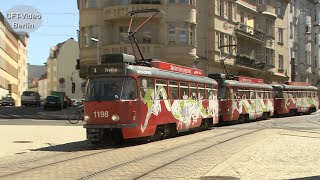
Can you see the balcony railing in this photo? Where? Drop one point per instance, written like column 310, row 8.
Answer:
column 249, row 62
column 248, row 30
column 115, row 12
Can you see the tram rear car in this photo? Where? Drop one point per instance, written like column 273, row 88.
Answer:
column 157, row 101
column 295, row 98
column 243, row 99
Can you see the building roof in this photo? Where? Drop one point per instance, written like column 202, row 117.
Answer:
column 36, row 71
column 55, row 49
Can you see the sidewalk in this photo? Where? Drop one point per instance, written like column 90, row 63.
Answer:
column 19, row 139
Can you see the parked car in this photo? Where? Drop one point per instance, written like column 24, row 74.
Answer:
column 52, row 102
column 30, row 98
column 7, row 101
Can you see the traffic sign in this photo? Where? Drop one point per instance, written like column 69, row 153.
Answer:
column 61, row 80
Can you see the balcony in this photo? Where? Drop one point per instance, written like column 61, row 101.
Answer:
column 120, row 12
column 248, row 31
column 267, row 9
column 270, row 63
column 249, row 62
column 148, row 50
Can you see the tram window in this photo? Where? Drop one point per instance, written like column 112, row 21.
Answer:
column 129, row 89
column 162, row 89
column 214, row 94
column 234, row 94
column 184, row 90
column 247, row 93
column 304, row 94
column 174, row 90
column 258, row 94
column 201, row 91
column 223, row 93
column 267, row 94
column 285, row 94
column 252, row 94
column 240, row 94
column 207, row 91
column 193, row 90
column 278, row 94
column 147, row 88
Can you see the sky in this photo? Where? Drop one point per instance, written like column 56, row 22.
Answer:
column 60, row 21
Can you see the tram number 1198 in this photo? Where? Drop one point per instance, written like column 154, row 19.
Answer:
column 101, row 114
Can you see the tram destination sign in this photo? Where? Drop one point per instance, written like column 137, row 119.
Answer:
column 107, row 69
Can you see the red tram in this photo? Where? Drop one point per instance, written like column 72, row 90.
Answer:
column 130, row 101
column 243, row 98
column 294, row 98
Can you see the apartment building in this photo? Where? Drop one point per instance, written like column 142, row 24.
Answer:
column 169, row 37
column 304, row 40
column 13, row 61
column 249, row 36
column 61, row 70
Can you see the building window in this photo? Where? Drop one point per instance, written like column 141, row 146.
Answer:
column 315, row 61
column 123, row 34
column 180, row 1
column 279, row 9
column 183, row 35
column 221, row 8
column 147, row 35
column 315, row 38
column 124, row 2
column 280, row 30
column 230, row 10
column 307, row 29
column 281, row 62
column 145, row 2
column 308, row 57
column 291, row 29
column 242, row 17
column 180, row 33
column 221, row 41
column 91, row 4
column 172, row 34
column 87, row 34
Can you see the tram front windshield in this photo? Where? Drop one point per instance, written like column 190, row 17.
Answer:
column 111, row 88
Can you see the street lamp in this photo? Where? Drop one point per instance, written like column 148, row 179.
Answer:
column 98, row 48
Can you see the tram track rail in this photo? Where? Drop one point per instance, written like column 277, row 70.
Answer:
column 97, row 173
column 42, row 166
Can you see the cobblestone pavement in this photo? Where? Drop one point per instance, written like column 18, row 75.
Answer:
column 274, row 149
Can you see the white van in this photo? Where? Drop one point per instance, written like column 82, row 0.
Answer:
column 30, row 98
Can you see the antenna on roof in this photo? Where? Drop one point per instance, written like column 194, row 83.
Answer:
column 131, row 34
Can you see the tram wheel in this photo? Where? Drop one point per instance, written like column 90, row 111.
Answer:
column 241, row 118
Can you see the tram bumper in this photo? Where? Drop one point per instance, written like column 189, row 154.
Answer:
column 97, row 133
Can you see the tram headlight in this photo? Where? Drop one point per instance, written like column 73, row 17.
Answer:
column 115, row 118
column 86, row 118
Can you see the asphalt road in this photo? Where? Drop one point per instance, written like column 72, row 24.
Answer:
column 35, row 113
column 281, row 148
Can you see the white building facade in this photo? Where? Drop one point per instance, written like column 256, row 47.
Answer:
column 61, row 69
column 303, row 38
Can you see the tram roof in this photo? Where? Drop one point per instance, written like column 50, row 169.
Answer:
column 248, row 85
column 155, row 72
column 293, row 87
